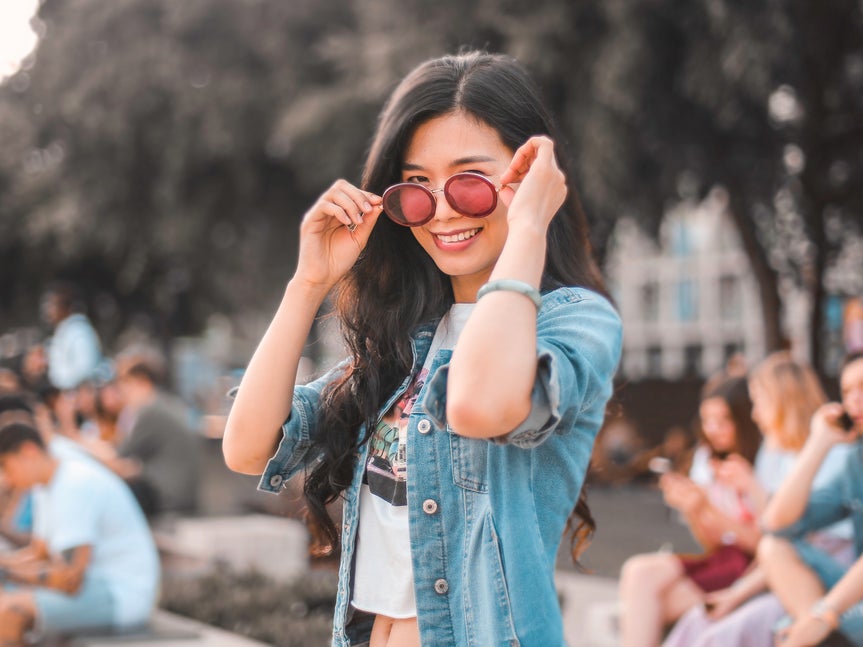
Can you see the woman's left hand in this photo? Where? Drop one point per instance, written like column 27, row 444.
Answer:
column 542, row 185
column 806, row 631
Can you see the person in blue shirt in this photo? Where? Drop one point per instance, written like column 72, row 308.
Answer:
column 481, row 352
column 74, row 350
column 814, row 589
column 91, row 563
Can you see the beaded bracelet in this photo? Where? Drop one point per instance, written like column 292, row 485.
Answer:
column 512, row 285
column 823, row 612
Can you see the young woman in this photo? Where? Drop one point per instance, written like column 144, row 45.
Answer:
column 481, row 356
column 719, row 501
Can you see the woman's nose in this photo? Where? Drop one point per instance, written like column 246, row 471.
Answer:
column 443, row 209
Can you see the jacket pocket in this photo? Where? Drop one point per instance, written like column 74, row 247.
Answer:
column 487, row 605
column 469, row 462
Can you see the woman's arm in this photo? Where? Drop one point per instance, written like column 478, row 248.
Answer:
column 327, row 251
column 493, row 367
column 789, row 502
column 710, row 527
column 812, row 628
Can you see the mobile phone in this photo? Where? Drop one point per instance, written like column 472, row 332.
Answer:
column 659, row 465
column 845, row 421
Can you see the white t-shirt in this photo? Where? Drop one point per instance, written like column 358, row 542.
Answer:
column 383, row 582
column 86, row 505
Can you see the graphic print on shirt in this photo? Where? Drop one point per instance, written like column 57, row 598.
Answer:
column 386, row 469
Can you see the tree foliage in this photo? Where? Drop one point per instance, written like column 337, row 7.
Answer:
column 162, row 153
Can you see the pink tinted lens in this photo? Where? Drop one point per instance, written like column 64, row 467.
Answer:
column 409, row 204
column 471, row 195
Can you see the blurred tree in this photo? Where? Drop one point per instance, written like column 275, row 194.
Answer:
column 162, row 153
column 150, row 174
column 764, row 99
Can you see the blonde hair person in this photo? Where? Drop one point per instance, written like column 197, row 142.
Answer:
column 785, row 394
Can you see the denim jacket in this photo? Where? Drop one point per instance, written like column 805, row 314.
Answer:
column 840, row 498
column 486, row 516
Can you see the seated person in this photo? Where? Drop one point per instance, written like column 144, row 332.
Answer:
column 91, row 563
column 160, row 458
column 719, row 503
column 733, row 616
column 815, row 591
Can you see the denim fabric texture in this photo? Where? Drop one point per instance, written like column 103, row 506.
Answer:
column 486, row 517
column 839, row 498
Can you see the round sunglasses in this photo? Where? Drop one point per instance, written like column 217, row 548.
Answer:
column 411, row 204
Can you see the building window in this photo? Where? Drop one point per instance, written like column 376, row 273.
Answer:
column 692, row 356
column 650, row 301
column 681, row 239
column 730, row 299
column 654, row 360
column 687, row 300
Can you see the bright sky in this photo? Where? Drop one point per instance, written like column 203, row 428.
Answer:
column 16, row 38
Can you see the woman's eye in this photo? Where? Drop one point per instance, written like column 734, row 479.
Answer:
column 418, row 179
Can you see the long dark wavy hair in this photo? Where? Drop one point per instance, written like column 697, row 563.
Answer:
column 394, row 287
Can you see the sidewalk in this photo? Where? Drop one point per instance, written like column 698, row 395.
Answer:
column 589, row 605
column 167, row 630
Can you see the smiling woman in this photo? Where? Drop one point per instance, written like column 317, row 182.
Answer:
column 482, row 349
column 17, row 38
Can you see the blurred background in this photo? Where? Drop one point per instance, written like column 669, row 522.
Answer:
column 160, row 155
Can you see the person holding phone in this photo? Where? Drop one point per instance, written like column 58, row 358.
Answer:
column 718, row 501
column 481, row 354
column 814, row 589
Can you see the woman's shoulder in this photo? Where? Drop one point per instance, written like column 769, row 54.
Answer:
column 581, row 307
column 574, row 294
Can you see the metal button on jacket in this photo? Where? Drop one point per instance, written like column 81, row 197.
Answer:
column 424, row 426
column 429, row 506
column 276, row 480
column 441, row 586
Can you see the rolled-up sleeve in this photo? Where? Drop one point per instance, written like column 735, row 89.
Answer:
column 827, row 505
column 297, row 433
column 579, row 339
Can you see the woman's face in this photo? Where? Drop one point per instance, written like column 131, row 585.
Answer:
column 763, row 408
column 464, row 248
column 718, row 424
column 851, row 384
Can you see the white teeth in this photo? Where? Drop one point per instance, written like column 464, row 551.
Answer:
column 459, row 237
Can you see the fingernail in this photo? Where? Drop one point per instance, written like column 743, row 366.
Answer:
column 367, row 206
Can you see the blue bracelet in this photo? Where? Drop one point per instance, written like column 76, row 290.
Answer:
column 512, row 285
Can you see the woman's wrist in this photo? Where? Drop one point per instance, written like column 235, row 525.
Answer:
column 826, row 613
column 312, row 291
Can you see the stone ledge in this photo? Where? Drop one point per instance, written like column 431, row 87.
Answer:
column 166, row 630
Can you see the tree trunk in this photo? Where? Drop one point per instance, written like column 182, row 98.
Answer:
column 766, row 277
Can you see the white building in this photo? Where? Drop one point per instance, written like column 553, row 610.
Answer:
column 690, row 301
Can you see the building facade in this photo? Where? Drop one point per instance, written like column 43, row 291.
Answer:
column 689, row 301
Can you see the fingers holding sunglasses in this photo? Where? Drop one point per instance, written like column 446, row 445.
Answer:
column 542, row 185
column 343, row 203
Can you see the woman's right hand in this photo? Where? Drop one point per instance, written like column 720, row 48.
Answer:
column 680, row 492
column 328, row 248
column 826, row 429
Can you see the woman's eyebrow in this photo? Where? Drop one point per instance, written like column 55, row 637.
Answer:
column 461, row 161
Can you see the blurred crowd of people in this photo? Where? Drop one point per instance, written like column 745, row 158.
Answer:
column 772, row 490
column 93, row 452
